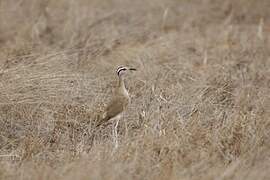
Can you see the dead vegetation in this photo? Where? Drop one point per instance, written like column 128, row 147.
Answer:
column 200, row 100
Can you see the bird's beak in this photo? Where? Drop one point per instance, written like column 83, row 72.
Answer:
column 132, row 69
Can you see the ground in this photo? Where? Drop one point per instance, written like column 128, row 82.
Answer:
column 200, row 100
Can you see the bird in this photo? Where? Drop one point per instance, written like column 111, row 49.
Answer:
column 120, row 98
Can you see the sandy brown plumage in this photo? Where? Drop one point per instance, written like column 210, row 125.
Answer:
column 120, row 99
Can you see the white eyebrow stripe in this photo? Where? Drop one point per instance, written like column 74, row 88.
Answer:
column 121, row 69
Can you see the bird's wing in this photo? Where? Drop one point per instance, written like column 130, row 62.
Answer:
column 114, row 108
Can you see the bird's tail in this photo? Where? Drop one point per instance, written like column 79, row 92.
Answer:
column 101, row 121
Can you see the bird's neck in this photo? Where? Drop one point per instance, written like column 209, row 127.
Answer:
column 122, row 87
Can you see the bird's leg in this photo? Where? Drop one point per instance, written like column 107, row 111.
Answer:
column 126, row 127
column 115, row 134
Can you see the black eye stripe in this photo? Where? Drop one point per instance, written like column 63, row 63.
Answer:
column 121, row 69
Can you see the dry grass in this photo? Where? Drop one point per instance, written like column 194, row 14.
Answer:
column 200, row 100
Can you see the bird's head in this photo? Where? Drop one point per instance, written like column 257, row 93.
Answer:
column 121, row 70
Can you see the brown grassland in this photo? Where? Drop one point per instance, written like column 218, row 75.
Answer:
column 200, row 100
